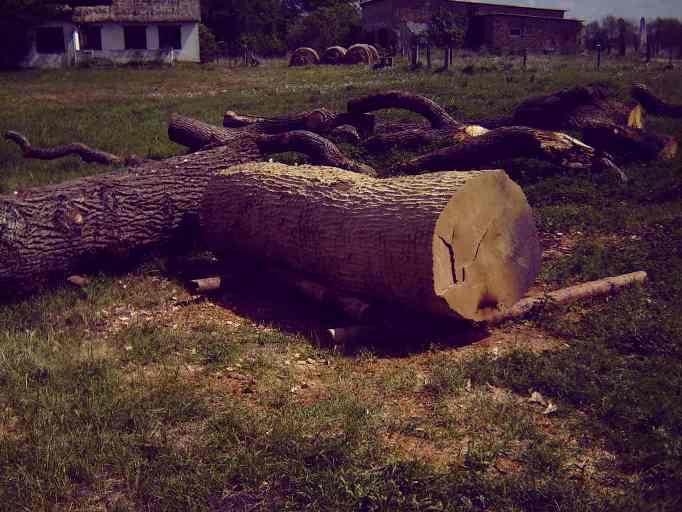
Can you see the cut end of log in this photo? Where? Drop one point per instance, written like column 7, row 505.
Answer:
column 486, row 252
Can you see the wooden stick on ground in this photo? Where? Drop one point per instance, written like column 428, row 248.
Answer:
column 606, row 286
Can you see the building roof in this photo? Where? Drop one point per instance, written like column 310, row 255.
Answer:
column 533, row 16
column 139, row 11
column 486, row 4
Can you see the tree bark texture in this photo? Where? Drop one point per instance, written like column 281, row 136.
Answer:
column 513, row 142
column 437, row 115
column 197, row 135
column 320, row 121
column 571, row 109
column 54, row 230
column 458, row 244
column 629, row 144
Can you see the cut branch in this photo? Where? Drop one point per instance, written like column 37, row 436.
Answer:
column 321, row 151
column 197, row 135
column 506, row 143
column 437, row 115
column 86, row 153
column 606, row 286
column 629, row 144
column 653, row 105
column 321, row 121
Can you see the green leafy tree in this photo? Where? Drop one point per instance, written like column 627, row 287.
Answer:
column 447, row 29
column 333, row 23
column 18, row 18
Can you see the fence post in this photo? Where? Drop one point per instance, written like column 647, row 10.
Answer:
column 525, row 59
column 598, row 56
column 428, row 56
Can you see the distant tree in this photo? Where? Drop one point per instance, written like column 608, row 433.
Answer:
column 332, row 23
column 447, row 29
column 669, row 35
column 208, row 46
column 18, row 18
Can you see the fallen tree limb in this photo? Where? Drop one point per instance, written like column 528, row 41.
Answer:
column 199, row 135
column 437, row 115
column 86, row 153
column 454, row 244
column 320, row 121
column 55, row 230
column 654, row 105
column 320, row 150
column 629, row 144
column 572, row 108
column 511, row 142
column 606, row 286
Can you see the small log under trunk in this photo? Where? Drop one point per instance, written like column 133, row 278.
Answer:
column 456, row 244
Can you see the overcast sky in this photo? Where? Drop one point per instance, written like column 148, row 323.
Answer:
column 595, row 9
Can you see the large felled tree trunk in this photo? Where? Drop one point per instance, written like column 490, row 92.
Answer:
column 56, row 230
column 459, row 244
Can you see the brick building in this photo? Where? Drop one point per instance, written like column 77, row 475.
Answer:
column 494, row 26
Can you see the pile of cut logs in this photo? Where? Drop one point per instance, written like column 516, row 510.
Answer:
column 437, row 234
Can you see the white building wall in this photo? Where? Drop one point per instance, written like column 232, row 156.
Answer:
column 152, row 37
column 112, row 37
column 113, row 47
column 189, row 34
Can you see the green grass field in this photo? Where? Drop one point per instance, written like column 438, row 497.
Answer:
column 130, row 394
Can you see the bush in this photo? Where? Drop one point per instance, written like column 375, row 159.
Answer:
column 208, row 47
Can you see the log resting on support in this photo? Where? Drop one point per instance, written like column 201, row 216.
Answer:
column 456, row 243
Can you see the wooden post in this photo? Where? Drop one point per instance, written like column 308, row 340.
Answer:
column 451, row 55
column 525, row 59
column 598, row 56
column 446, row 58
column 428, row 56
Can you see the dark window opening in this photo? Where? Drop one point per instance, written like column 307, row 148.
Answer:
column 50, row 40
column 91, row 38
column 516, row 32
column 135, row 37
column 170, row 37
